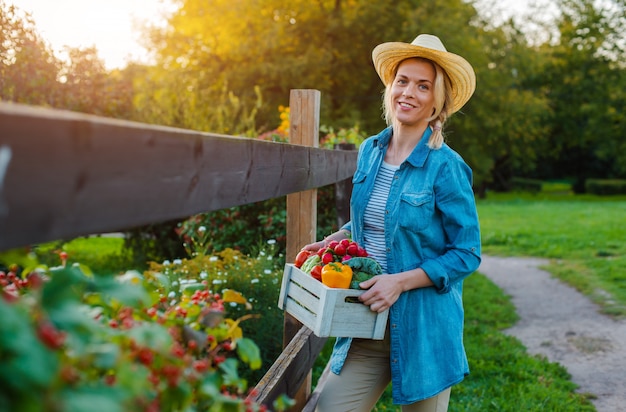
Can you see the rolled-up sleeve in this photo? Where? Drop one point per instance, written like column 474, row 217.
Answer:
column 456, row 203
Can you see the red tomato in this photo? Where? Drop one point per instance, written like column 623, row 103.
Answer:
column 345, row 242
column 332, row 244
column 316, row 272
column 301, row 257
column 362, row 252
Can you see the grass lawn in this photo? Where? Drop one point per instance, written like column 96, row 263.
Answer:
column 583, row 236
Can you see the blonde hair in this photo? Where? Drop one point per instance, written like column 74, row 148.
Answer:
column 442, row 93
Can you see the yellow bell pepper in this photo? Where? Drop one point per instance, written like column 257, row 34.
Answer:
column 336, row 275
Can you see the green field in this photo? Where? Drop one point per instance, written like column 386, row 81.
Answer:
column 583, row 236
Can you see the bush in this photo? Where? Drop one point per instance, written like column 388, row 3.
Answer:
column 71, row 339
column 258, row 278
column 526, row 185
column 605, row 187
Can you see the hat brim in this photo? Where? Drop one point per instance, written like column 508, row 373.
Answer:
column 387, row 57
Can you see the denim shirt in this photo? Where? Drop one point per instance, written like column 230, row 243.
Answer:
column 431, row 222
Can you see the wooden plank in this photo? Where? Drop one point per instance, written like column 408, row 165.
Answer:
column 292, row 368
column 65, row 174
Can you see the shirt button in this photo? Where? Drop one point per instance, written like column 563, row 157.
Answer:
column 393, row 326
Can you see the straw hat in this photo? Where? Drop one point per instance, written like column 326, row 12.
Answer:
column 387, row 57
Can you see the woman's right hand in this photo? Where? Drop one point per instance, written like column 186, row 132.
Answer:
column 314, row 247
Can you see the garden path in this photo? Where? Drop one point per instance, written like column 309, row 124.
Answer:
column 560, row 323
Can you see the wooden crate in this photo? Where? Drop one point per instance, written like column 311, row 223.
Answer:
column 328, row 311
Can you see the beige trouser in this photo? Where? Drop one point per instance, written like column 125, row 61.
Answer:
column 363, row 379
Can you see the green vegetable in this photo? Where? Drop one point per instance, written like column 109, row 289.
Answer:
column 363, row 268
column 365, row 264
column 310, row 263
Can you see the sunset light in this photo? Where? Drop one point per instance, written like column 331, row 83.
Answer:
column 112, row 26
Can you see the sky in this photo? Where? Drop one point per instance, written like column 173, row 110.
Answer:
column 112, row 26
column 109, row 25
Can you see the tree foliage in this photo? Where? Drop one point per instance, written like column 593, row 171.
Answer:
column 548, row 104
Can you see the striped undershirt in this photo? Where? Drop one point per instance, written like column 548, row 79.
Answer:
column 374, row 217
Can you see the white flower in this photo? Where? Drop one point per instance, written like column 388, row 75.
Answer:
column 202, row 229
column 254, row 281
column 271, row 242
column 203, row 275
column 166, row 263
column 171, row 295
column 267, row 271
column 174, row 283
column 178, row 262
column 213, row 259
column 217, row 281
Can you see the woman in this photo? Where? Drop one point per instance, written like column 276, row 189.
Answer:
column 413, row 209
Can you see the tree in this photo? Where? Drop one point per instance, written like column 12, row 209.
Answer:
column 28, row 68
column 582, row 82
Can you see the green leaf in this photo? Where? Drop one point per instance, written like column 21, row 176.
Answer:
column 230, row 374
column 127, row 293
column 151, row 335
column 101, row 398
column 249, row 353
column 26, row 362
column 66, row 284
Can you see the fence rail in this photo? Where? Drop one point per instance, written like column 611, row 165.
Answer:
column 66, row 174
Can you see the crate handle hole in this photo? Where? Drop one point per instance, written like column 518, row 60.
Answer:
column 352, row 299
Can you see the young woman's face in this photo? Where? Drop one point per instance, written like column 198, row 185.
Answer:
column 412, row 94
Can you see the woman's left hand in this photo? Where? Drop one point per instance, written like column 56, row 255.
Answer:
column 382, row 292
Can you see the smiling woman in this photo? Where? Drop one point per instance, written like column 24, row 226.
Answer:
column 112, row 26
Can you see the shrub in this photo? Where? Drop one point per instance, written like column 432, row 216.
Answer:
column 527, row 185
column 71, row 339
column 257, row 278
column 604, row 187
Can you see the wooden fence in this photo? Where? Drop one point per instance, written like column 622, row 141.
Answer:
column 65, row 174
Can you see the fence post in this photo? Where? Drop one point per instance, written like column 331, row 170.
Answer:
column 304, row 113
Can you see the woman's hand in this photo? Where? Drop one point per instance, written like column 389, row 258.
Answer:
column 314, row 247
column 382, row 292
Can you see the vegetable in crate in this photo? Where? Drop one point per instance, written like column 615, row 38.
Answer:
column 337, row 275
column 363, row 268
column 301, row 257
column 310, row 263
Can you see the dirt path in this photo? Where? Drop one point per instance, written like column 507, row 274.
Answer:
column 559, row 322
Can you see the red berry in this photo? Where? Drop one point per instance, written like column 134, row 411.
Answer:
column 50, row 336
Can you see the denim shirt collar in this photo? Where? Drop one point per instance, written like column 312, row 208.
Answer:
column 418, row 156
